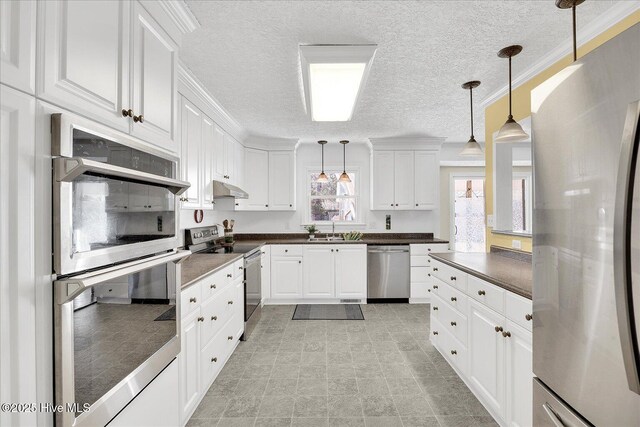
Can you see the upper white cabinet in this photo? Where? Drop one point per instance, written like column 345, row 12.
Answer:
column 209, row 130
column 229, row 158
column 404, row 180
column 256, row 181
column 282, row 180
column 112, row 62
column 154, row 80
column 18, row 44
column 192, row 127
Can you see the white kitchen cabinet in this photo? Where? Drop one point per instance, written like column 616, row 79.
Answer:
column 427, row 177
column 86, row 64
column 238, row 165
column 486, row 345
column 403, row 180
column 256, row 180
column 18, row 44
column 189, row 364
column 229, row 155
column 286, row 277
column 154, row 81
column 282, row 180
column 265, row 277
column 208, row 160
column 519, row 391
column 219, row 163
column 382, row 180
column 191, row 159
column 422, row 280
column 351, row 271
column 318, row 277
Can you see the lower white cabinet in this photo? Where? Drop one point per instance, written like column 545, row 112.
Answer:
column 351, row 272
column 265, row 277
column 318, row 272
column 496, row 363
column 212, row 322
column 286, row 276
column 421, row 270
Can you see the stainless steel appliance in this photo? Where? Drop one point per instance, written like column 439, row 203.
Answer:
column 114, row 198
column 388, row 273
column 207, row 240
column 586, row 240
column 117, row 266
column 223, row 190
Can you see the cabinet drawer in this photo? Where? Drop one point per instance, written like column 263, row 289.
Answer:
column 420, row 290
column 216, row 312
column 450, row 275
column 454, row 351
column 212, row 358
column 286, row 250
column 427, row 248
column 434, row 334
column 486, row 293
column 190, row 300
column 420, row 274
column 238, row 269
column 450, row 295
column 214, row 284
column 451, row 319
column 420, row 260
column 520, row 310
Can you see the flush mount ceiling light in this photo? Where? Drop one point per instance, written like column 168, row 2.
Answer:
column 333, row 77
column 345, row 176
column 566, row 4
column 471, row 148
column 323, row 176
column 511, row 131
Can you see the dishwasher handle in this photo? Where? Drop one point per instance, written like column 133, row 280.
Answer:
column 396, row 251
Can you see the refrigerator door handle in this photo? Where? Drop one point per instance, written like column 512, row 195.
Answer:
column 626, row 312
column 552, row 415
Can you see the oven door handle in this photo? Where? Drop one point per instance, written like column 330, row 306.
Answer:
column 67, row 169
column 70, row 288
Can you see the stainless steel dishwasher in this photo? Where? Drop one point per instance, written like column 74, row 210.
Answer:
column 388, row 273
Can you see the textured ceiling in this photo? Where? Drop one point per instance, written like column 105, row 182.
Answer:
column 246, row 54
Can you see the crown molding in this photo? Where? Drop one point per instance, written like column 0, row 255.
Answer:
column 615, row 14
column 181, row 15
column 270, row 143
column 407, row 143
column 196, row 92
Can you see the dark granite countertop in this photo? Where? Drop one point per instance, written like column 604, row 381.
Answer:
column 514, row 275
column 197, row 266
column 367, row 239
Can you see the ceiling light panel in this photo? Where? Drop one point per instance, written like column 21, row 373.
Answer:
column 333, row 78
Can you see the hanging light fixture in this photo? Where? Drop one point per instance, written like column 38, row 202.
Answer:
column 471, row 148
column 511, row 131
column 566, row 4
column 345, row 176
column 323, row 176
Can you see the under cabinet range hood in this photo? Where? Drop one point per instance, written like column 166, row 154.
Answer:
column 223, row 190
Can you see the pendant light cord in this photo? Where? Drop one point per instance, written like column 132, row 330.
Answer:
column 510, row 115
column 575, row 45
column 344, row 158
column 471, row 101
column 322, row 146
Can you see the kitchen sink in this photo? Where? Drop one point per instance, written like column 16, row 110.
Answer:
column 327, row 239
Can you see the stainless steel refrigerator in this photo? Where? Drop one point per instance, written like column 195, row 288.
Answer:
column 586, row 241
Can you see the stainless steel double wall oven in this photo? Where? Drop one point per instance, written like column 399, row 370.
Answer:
column 117, row 266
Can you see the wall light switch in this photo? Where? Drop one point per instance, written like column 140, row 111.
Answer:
column 490, row 221
column 516, row 244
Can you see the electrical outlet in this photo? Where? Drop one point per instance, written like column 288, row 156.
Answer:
column 516, row 244
column 490, row 222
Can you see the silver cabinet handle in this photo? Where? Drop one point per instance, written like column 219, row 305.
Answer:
column 528, row 317
column 214, row 317
column 192, row 299
column 214, row 359
column 506, row 334
column 229, row 275
column 552, row 415
column 229, row 337
column 481, row 292
column 230, row 302
column 200, row 319
column 213, row 286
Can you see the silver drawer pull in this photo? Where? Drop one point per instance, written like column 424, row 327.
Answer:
column 214, row 359
column 506, row 334
column 435, row 308
column 454, row 352
column 454, row 299
column 435, row 332
column 453, row 323
column 435, row 286
column 192, row 299
column 229, row 275
column 528, row 317
column 498, row 328
column 435, row 268
column 229, row 337
column 230, row 302
column 213, row 286
column 453, row 277
column 481, row 292
column 200, row 319
column 214, row 317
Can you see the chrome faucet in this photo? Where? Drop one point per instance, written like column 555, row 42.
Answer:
column 333, row 229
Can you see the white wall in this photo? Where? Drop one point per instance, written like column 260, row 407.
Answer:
column 308, row 156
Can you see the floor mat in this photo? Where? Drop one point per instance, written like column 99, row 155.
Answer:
column 167, row 315
column 328, row 312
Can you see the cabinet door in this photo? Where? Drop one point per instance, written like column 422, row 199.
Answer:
column 403, row 180
column 208, row 158
column 238, row 310
column 351, row 271
column 265, row 279
column 238, row 165
column 189, row 365
column 286, row 277
column 256, row 180
column 219, row 164
column 190, row 162
column 318, row 272
column 519, row 376
column 86, row 58
column 154, row 81
column 427, row 179
column 229, row 157
column 486, row 350
column 282, row 180
column 382, row 180
column 18, row 44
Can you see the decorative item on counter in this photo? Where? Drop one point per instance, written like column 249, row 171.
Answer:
column 352, row 235
column 311, row 229
column 228, row 231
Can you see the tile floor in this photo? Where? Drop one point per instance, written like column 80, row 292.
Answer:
column 378, row 372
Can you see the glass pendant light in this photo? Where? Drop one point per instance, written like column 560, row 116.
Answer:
column 345, row 176
column 566, row 4
column 323, row 176
column 471, row 148
column 511, row 131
